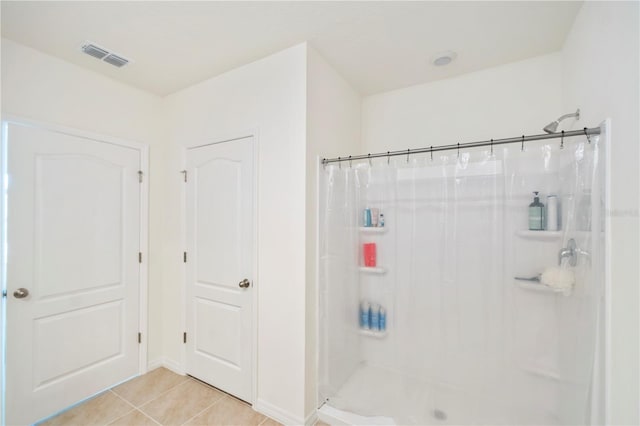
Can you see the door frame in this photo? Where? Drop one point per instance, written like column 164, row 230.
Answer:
column 144, row 229
column 251, row 133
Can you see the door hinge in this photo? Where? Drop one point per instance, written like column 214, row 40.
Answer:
column 184, row 337
column 140, row 176
column 184, row 257
column 139, row 337
column 139, row 257
column 184, row 172
column 4, row 293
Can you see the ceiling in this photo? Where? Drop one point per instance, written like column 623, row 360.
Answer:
column 376, row 46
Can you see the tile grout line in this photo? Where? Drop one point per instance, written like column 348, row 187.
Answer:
column 126, row 401
column 139, row 407
column 129, row 412
column 156, row 398
column 134, row 409
column 119, row 397
column 118, row 418
column 225, row 395
column 149, row 417
column 187, row 378
column 209, row 406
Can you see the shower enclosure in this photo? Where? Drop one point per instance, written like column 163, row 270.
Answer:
column 487, row 321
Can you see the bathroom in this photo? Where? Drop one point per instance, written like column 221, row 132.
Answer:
column 287, row 100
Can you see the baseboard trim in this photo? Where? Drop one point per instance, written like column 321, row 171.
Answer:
column 277, row 413
column 312, row 418
column 334, row 416
column 167, row 363
column 156, row 363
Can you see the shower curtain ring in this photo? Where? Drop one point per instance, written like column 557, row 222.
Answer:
column 388, row 158
column 431, row 152
column 562, row 140
column 369, row 155
column 408, row 152
column 339, row 163
column 587, row 135
column 349, row 161
column 522, row 147
column 492, row 147
column 458, row 149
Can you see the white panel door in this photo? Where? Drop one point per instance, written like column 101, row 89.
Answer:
column 219, row 258
column 73, row 234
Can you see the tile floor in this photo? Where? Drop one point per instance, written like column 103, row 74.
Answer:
column 161, row 397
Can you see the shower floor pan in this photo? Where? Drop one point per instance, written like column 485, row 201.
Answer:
column 376, row 396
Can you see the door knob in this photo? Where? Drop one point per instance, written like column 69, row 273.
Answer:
column 244, row 283
column 21, row 293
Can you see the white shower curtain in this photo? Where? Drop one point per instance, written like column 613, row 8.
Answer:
column 466, row 343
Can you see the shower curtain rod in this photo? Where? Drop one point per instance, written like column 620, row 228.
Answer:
column 522, row 139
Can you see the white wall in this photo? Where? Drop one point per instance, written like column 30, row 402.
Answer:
column 267, row 96
column 597, row 71
column 601, row 75
column 333, row 129
column 504, row 101
column 46, row 89
column 42, row 87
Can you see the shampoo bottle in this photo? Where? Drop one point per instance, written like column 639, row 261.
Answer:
column 375, row 317
column 367, row 218
column 365, row 315
column 383, row 319
column 536, row 214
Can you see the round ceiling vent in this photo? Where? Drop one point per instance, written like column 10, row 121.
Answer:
column 444, row 58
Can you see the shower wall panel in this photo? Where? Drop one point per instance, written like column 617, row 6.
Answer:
column 466, row 341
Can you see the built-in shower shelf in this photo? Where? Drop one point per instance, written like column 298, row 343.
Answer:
column 536, row 286
column 371, row 333
column 540, row 235
column 373, row 270
column 373, row 229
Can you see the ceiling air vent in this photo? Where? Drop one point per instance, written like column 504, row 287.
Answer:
column 116, row 60
column 103, row 54
column 93, row 50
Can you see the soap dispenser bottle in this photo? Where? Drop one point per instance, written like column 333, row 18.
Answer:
column 536, row 214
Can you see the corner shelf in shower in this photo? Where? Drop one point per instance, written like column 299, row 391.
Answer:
column 371, row 333
column 532, row 286
column 373, row 229
column 372, row 270
column 540, row 235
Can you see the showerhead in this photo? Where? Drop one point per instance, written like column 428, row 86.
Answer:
column 553, row 126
